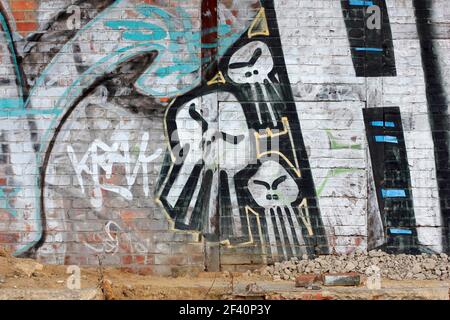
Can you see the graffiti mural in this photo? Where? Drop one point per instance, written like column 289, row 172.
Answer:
column 228, row 154
column 185, row 134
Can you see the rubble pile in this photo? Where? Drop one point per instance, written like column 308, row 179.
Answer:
column 392, row 266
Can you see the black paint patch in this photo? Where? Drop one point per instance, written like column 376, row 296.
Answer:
column 437, row 111
column 56, row 32
column 372, row 49
column 392, row 179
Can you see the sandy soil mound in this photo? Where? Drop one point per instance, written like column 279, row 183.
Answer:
column 115, row 283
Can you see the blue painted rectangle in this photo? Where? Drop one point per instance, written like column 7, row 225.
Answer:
column 400, row 231
column 383, row 124
column 393, row 193
column 386, row 139
column 360, row 3
column 370, row 49
column 29, row 112
column 11, row 103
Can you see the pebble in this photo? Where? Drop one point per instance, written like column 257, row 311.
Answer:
column 395, row 267
column 350, row 266
column 416, row 269
column 226, row 274
column 253, row 288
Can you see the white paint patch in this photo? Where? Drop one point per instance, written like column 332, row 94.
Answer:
column 101, row 156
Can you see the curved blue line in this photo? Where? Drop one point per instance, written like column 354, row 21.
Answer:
column 12, row 50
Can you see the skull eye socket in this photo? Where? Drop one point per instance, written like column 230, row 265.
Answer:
column 277, row 182
column 262, row 183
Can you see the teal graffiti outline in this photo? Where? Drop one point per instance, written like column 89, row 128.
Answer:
column 157, row 33
column 5, row 198
column 38, row 84
column 58, row 109
column 71, row 94
column 183, row 67
column 10, row 41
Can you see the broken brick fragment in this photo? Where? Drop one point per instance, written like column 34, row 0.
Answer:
column 306, row 280
column 342, row 279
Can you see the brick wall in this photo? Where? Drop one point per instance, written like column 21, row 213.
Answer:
column 176, row 136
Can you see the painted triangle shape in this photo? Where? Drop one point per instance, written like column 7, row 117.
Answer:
column 218, row 78
column 259, row 26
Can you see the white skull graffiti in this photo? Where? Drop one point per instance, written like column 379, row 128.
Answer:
column 275, row 190
column 216, row 135
column 221, row 143
column 251, row 64
column 272, row 186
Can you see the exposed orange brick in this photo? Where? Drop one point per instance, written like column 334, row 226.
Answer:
column 305, row 280
column 153, row 2
column 139, row 259
column 5, row 215
column 24, row 12
column 126, row 260
column 144, row 259
column 317, row 296
column 126, row 269
column 28, row 16
column 75, row 260
column 128, row 215
column 9, row 237
column 18, row 5
column 145, row 271
column 19, row 15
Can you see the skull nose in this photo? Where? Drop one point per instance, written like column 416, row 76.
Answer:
column 208, row 139
column 275, row 197
column 269, row 197
column 248, row 74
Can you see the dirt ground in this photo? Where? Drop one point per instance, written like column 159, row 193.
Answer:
column 115, row 284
